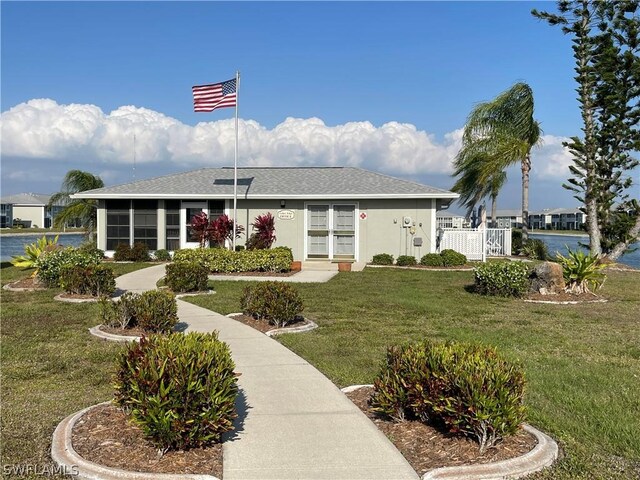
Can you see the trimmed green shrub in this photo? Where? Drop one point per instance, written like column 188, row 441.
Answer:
column 276, row 302
column 162, row 255
column 382, row 259
column 406, row 261
column 432, row 260
column 92, row 248
column 451, row 258
column 96, row 280
column 186, row 276
column 122, row 252
column 582, row 271
column 156, row 311
column 461, row 387
column 505, row 279
column 120, row 313
column 139, row 252
column 180, row 389
column 516, row 240
column 221, row 260
column 535, row 249
column 50, row 264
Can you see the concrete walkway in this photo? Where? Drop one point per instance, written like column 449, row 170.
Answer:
column 293, row 422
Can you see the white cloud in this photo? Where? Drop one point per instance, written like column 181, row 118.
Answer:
column 43, row 129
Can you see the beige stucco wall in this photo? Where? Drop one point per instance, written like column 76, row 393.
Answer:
column 33, row 213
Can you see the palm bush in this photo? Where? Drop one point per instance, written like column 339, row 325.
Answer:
column 581, row 271
column 264, row 235
column 33, row 251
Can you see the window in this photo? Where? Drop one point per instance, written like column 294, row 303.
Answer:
column 118, row 223
column 172, row 217
column 216, row 209
column 145, row 222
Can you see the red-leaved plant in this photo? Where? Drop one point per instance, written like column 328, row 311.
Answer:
column 216, row 232
column 264, row 232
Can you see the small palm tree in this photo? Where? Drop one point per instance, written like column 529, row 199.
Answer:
column 501, row 133
column 85, row 210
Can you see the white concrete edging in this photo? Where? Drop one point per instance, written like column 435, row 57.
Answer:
column 10, row 288
column 567, row 302
column 96, row 332
column 60, row 298
column 543, row 455
column 195, row 294
column 307, row 327
column 65, row 456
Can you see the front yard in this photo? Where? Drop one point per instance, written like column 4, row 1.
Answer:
column 582, row 361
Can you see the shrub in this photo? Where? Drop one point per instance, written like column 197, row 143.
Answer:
column 506, row 279
column 33, row 251
column 156, row 311
column 382, row 259
column 451, row 258
column 122, row 252
column 91, row 248
column 581, row 271
column 180, row 389
column 432, row 260
column 162, row 255
column 516, row 240
column 221, row 260
column 535, row 249
column 96, row 280
column 50, row 264
column 139, row 252
column 264, row 235
column 120, row 313
column 406, row 261
column 461, row 387
column 276, row 302
column 186, row 276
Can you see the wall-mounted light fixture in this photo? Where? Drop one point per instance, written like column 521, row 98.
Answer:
column 283, row 204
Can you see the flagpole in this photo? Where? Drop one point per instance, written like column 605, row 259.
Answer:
column 235, row 166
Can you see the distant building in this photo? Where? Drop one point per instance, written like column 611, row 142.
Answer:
column 506, row 219
column 28, row 210
column 446, row 219
column 557, row 219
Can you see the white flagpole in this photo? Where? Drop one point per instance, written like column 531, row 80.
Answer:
column 235, row 167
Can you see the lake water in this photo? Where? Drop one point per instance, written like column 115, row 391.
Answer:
column 11, row 245
column 558, row 243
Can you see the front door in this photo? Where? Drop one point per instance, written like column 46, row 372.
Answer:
column 187, row 212
column 331, row 231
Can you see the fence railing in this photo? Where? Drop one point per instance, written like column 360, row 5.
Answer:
column 477, row 244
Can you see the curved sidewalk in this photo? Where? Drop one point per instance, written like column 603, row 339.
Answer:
column 293, row 423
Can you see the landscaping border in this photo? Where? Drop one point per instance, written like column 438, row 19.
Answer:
column 307, row 327
column 60, row 298
column 543, row 455
column 567, row 302
column 96, row 332
column 65, row 456
column 194, row 294
column 9, row 288
column 424, row 269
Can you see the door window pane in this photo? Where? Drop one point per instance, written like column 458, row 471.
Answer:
column 117, row 223
column 145, row 222
column 318, row 217
column 344, row 217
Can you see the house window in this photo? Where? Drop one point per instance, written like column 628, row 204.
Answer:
column 118, row 223
column 145, row 222
column 172, row 218
column 216, row 209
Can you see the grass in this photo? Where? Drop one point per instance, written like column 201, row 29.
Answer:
column 582, row 362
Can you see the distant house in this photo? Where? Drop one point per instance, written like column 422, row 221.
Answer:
column 557, row 219
column 446, row 219
column 506, row 219
column 28, row 210
column 321, row 213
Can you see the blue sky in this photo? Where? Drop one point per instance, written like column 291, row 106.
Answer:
column 384, row 86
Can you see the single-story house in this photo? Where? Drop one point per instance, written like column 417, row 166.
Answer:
column 330, row 213
column 28, row 209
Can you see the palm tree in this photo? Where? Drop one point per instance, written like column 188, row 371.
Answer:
column 503, row 132
column 77, row 209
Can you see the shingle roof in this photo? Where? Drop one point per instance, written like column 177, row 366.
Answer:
column 35, row 199
column 272, row 182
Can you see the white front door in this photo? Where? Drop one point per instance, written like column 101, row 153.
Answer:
column 187, row 212
column 331, row 231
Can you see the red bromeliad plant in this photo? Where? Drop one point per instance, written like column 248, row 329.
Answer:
column 264, row 235
column 216, row 231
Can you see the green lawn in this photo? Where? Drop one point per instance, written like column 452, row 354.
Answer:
column 582, row 362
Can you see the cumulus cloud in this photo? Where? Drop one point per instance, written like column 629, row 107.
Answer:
column 44, row 129
column 551, row 159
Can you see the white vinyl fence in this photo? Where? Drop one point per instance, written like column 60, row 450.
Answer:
column 477, row 244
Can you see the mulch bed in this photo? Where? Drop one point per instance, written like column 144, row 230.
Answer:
column 565, row 297
column 425, row 448
column 29, row 282
column 125, row 332
column 255, row 274
column 263, row 325
column 105, row 436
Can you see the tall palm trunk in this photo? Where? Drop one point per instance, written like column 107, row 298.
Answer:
column 526, row 169
column 494, row 206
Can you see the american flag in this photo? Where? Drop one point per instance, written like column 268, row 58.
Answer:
column 206, row 98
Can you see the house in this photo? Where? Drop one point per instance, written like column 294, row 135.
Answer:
column 506, row 219
column 328, row 213
column 28, row 210
column 446, row 219
column 557, row 219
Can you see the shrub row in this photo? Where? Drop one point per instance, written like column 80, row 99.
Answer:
column 153, row 311
column 126, row 253
column 277, row 302
column 221, row 260
column 462, row 387
column 506, row 279
column 51, row 264
column 180, row 389
column 96, row 280
column 446, row 258
column 186, row 276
